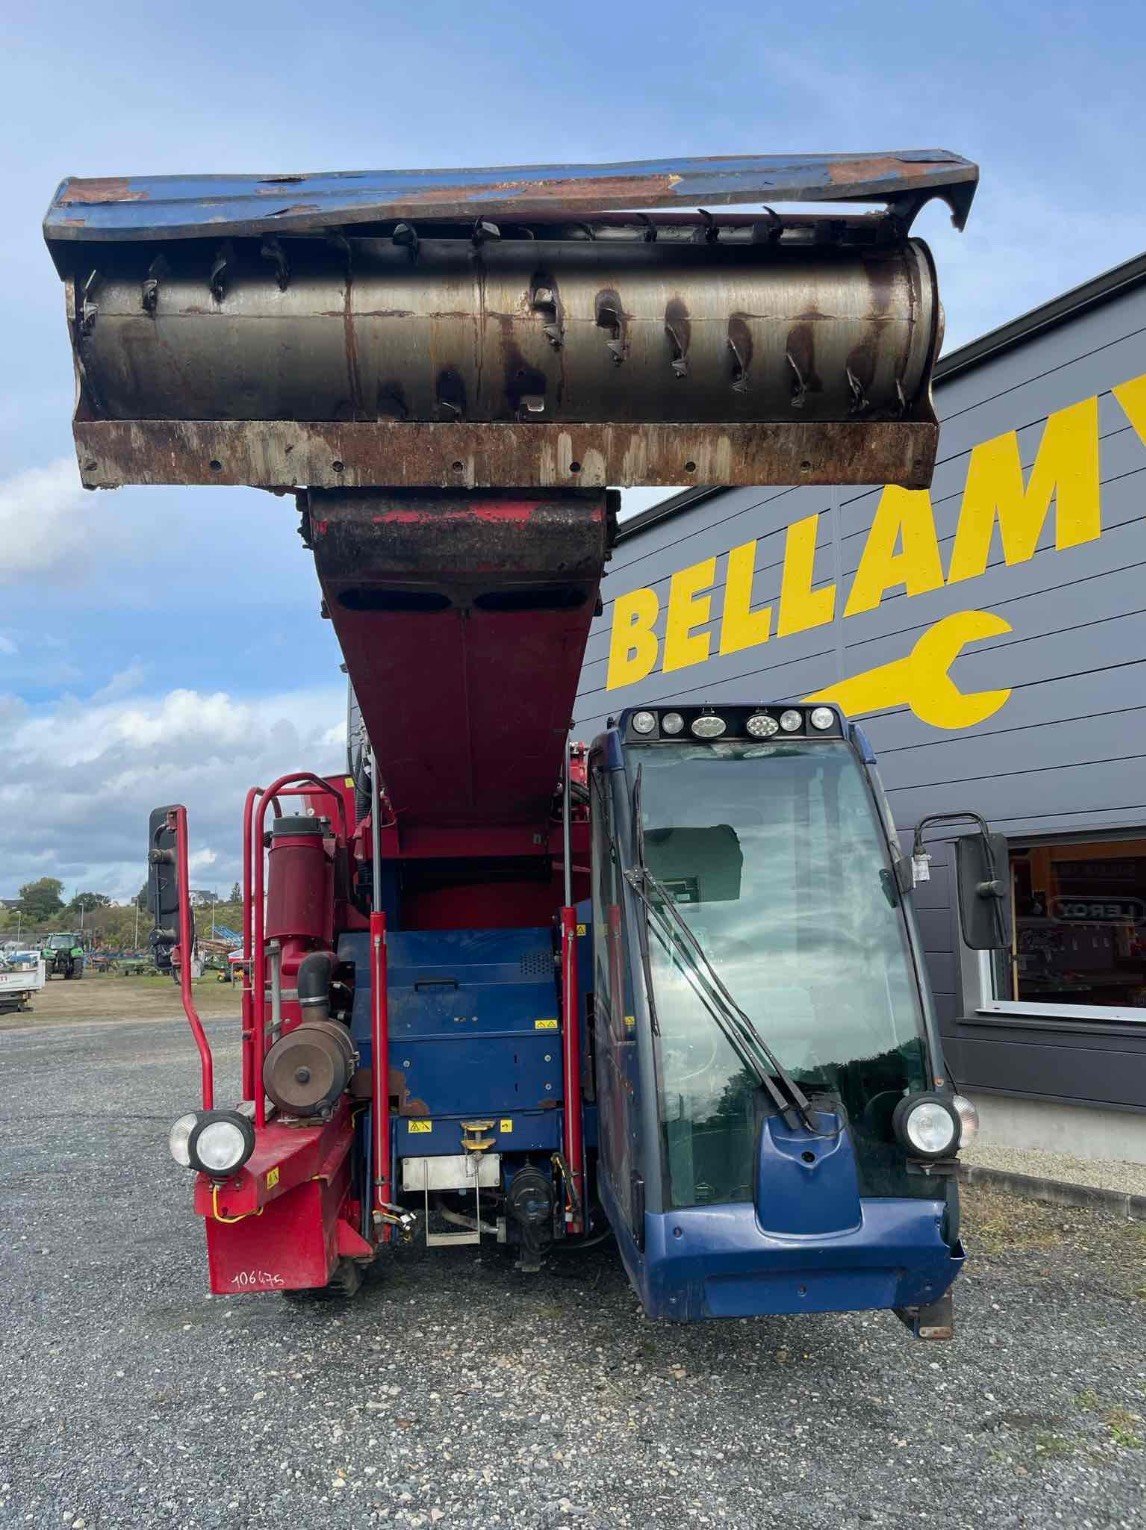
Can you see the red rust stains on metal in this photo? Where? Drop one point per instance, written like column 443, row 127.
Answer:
column 876, row 167
column 107, row 188
column 408, row 1104
column 555, row 190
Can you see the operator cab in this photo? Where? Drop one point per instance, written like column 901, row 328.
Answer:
column 777, row 1128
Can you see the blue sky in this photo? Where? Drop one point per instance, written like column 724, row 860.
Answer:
column 158, row 644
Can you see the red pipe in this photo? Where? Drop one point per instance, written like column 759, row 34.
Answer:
column 248, row 1022
column 177, row 823
column 380, row 1066
column 571, row 1060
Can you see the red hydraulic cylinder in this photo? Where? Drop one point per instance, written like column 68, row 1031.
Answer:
column 380, row 1067
column 571, row 1060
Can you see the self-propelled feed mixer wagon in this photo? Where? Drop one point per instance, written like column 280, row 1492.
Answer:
column 503, row 986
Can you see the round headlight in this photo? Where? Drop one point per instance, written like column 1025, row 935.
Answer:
column 708, row 725
column 221, row 1143
column 821, row 717
column 762, row 726
column 927, row 1125
column 180, row 1138
column 643, row 722
column 791, row 721
column 968, row 1118
column 672, row 723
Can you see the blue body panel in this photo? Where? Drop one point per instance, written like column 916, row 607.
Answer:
column 474, row 1034
column 807, row 1185
column 717, row 1262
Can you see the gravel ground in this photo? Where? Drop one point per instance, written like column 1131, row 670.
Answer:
column 1105, row 1173
column 454, row 1391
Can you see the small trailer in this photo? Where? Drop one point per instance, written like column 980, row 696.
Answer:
column 22, row 974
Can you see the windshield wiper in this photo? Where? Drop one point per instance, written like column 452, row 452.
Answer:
column 674, row 932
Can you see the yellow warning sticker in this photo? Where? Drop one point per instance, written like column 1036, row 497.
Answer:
column 413, row 1127
column 581, row 929
column 505, row 1125
column 273, row 1178
column 630, row 1021
column 545, row 1025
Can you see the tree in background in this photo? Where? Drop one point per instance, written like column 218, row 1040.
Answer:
column 236, row 894
column 142, row 901
column 86, row 903
column 41, row 901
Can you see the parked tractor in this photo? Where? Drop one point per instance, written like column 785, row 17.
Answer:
column 65, row 955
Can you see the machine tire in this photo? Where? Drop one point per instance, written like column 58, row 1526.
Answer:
column 344, row 1284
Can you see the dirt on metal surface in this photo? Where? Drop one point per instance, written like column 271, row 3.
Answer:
column 280, row 454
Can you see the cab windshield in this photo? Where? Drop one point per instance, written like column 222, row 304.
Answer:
column 60, row 943
column 775, row 857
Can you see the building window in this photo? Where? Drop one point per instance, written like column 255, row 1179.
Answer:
column 1079, row 947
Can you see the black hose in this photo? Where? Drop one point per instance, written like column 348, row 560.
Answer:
column 313, row 984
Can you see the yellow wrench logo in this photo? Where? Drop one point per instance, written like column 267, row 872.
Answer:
column 922, row 680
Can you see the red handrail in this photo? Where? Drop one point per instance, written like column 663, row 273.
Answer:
column 380, row 1068
column 248, row 1021
column 177, row 823
column 571, row 1060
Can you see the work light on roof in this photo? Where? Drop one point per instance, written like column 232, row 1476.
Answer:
column 791, row 721
column 821, row 718
column 671, row 723
column 762, row 725
column 644, row 722
column 708, row 725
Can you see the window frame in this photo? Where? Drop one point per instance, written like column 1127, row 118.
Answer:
column 978, row 969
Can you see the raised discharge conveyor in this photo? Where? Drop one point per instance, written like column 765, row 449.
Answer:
column 452, row 366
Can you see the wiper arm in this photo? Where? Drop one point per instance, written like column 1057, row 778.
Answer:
column 642, row 928
column 738, row 1028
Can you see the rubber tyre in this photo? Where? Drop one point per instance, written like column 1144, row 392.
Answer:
column 344, row 1284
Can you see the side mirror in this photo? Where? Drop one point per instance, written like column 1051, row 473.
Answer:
column 983, row 876
column 163, row 889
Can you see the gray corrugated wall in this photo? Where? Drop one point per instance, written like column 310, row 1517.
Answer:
column 1066, row 753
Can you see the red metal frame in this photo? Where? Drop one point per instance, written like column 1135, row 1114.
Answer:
column 380, row 1056
column 177, row 823
column 571, row 1059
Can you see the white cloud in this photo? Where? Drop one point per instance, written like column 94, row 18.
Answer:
column 82, row 776
column 8, row 645
column 40, row 511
